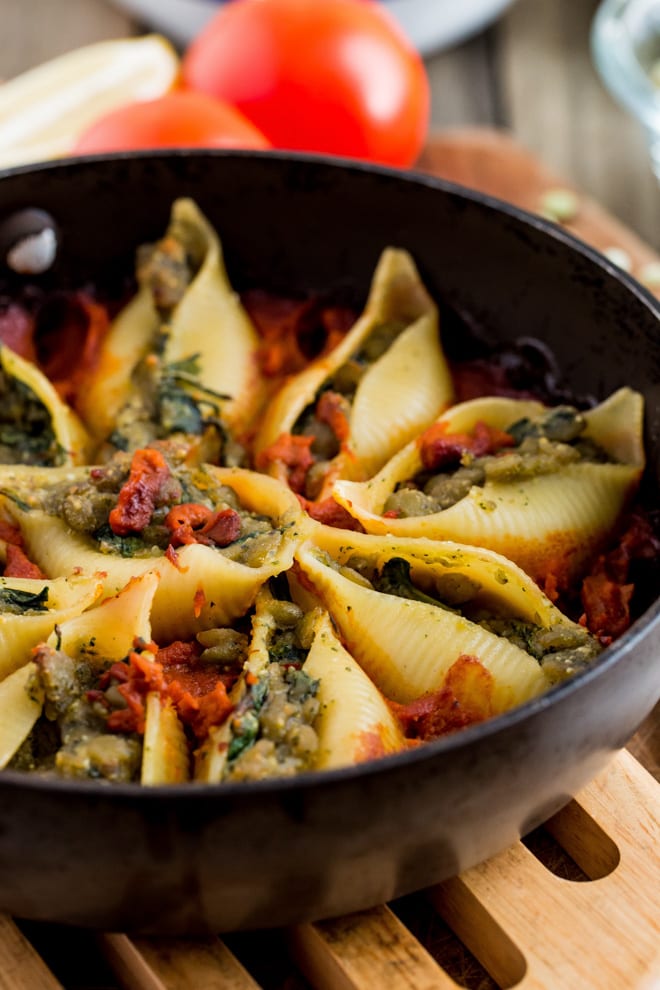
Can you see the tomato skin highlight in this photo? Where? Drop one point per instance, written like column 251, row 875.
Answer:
column 330, row 76
column 180, row 119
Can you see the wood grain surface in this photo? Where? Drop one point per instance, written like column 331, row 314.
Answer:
column 21, row 967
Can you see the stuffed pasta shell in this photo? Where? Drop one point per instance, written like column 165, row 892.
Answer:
column 36, row 426
column 355, row 723
column 213, row 535
column 351, row 409
column 180, row 358
column 30, row 608
column 301, row 702
column 543, row 486
column 56, row 713
column 99, row 699
column 410, row 610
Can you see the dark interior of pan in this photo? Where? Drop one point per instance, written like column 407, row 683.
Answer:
column 190, row 858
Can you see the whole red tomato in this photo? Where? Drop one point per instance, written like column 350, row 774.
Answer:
column 181, row 119
column 335, row 76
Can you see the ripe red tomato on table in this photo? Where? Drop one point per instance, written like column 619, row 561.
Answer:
column 180, row 119
column 334, row 76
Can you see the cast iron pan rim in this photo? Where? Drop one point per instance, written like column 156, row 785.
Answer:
column 468, row 736
column 408, row 176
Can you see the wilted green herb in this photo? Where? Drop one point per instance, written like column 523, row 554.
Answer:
column 15, row 601
column 126, row 546
column 394, row 579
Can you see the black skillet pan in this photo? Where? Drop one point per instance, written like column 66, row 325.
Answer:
column 189, row 858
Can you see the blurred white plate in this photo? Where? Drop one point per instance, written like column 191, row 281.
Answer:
column 430, row 24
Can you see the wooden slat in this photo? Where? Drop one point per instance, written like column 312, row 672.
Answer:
column 175, row 964
column 21, row 968
column 603, row 933
column 623, row 785
column 368, row 950
column 645, row 744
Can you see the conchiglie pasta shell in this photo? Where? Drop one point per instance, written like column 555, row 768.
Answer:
column 365, row 500
column 228, row 587
column 109, row 386
column 617, row 425
column 21, row 701
column 109, row 631
column 407, row 647
column 496, row 582
column 399, row 394
column 75, row 444
column 396, row 294
column 548, row 523
column 67, row 597
column 165, row 757
column 555, row 524
column 211, row 757
column 354, row 723
column 199, row 587
column 211, row 322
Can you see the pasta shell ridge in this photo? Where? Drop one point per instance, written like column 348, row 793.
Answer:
column 210, row 322
column 165, row 757
column 354, row 723
column 552, row 522
column 21, row 702
column 109, row 386
column 71, row 444
column 396, row 295
column 62, row 598
column 407, row 647
column 400, row 394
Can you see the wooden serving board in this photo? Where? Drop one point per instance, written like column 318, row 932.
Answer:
column 575, row 906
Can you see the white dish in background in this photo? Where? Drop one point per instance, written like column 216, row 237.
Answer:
column 435, row 24
column 430, row 24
